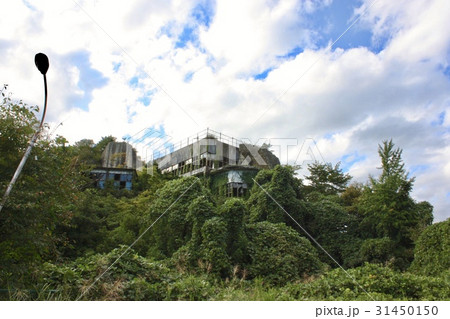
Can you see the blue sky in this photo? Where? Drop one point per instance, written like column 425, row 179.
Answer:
column 89, row 78
column 251, row 69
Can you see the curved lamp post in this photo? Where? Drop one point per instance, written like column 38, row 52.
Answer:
column 42, row 64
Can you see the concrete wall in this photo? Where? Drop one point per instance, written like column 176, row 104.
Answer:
column 209, row 148
column 119, row 154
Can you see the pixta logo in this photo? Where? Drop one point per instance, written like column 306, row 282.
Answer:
column 208, row 154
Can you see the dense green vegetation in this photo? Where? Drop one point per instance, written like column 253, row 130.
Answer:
column 58, row 234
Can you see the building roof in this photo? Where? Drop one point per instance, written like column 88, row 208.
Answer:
column 209, row 151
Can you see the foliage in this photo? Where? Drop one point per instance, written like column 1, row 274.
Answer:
column 377, row 250
column 326, row 179
column 336, row 230
column 251, row 290
column 132, row 277
column 88, row 229
column 200, row 210
column 213, row 248
column 89, row 153
column 17, row 126
column 380, row 283
column 42, row 200
column 233, row 212
column 191, row 288
column 279, row 254
column 276, row 187
column 58, row 233
column 432, row 251
column 388, row 209
column 170, row 209
column 127, row 221
column 350, row 198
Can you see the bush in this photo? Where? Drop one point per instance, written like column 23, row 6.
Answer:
column 432, row 251
column 233, row 212
column 171, row 208
column 381, row 283
column 335, row 229
column 213, row 248
column 132, row 277
column 377, row 250
column 279, row 254
column 192, row 288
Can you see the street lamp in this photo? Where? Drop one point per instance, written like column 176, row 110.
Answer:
column 42, row 64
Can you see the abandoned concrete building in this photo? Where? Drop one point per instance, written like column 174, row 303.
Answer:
column 229, row 163
column 119, row 164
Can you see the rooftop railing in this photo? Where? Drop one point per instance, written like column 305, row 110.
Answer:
column 207, row 133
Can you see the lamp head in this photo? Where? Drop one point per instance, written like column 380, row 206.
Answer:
column 41, row 62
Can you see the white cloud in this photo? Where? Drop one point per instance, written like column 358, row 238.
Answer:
column 246, row 36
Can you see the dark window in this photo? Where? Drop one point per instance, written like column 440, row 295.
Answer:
column 234, row 189
column 212, row 149
column 117, row 177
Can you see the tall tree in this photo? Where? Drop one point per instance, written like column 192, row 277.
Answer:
column 387, row 207
column 326, row 179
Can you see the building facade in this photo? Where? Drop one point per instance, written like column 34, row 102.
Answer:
column 229, row 164
column 119, row 164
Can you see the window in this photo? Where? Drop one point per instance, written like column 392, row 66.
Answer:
column 236, row 189
column 212, row 149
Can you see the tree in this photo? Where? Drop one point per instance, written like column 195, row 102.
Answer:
column 273, row 187
column 89, row 153
column 377, row 250
column 200, row 210
column 88, row 230
column 387, row 207
column 326, row 179
column 17, row 126
column 350, row 198
column 84, row 149
column 42, row 199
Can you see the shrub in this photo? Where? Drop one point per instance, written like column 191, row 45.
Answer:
column 381, row 283
column 377, row 250
column 192, row 288
column 233, row 212
column 132, row 277
column 174, row 228
column 279, row 254
column 213, row 248
column 432, row 251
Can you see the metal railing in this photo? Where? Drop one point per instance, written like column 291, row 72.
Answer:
column 207, row 133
